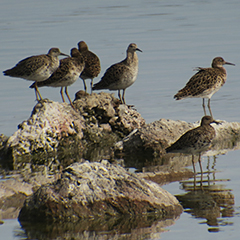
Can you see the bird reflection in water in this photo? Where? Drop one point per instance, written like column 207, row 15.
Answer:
column 209, row 199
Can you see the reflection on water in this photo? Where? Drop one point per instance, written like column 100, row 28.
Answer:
column 205, row 197
column 115, row 228
column 208, row 198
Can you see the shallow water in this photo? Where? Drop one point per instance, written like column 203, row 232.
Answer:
column 226, row 225
column 175, row 37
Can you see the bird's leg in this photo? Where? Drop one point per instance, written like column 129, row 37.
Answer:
column 69, row 98
column 194, row 170
column 123, row 96
column 85, row 86
column 200, row 164
column 203, row 105
column 61, row 92
column 38, row 95
column 120, row 98
column 91, row 83
column 209, row 108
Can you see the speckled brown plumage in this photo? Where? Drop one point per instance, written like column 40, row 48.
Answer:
column 205, row 82
column 66, row 74
column 36, row 68
column 121, row 75
column 195, row 141
column 92, row 64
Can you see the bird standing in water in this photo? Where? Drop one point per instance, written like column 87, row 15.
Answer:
column 195, row 141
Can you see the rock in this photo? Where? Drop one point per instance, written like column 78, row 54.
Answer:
column 165, row 174
column 14, row 191
column 98, row 129
column 99, row 122
column 150, row 141
column 49, row 123
column 106, row 109
column 102, row 190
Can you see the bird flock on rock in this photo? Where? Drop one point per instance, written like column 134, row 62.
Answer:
column 47, row 70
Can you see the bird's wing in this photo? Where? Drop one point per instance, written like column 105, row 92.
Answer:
column 31, row 64
column 113, row 74
column 190, row 139
column 92, row 65
column 59, row 74
column 204, row 79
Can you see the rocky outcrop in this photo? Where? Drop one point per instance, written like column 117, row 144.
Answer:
column 152, row 139
column 53, row 128
column 101, row 190
column 98, row 128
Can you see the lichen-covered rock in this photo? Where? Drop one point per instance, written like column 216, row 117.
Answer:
column 90, row 190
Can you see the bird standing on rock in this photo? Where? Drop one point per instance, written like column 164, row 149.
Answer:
column 205, row 82
column 92, row 64
column 67, row 73
column 121, row 75
column 195, row 141
column 36, row 68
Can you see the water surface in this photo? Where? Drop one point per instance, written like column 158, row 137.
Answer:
column 175, row 37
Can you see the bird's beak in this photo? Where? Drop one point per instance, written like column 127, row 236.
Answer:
column 63, row 54
column 214, row 121
column 228, row 63
column 137, row 49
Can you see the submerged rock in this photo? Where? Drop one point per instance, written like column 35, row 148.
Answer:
column 14, row 190
column 104, row 190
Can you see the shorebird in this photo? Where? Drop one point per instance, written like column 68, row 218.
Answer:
column 121, row 75
column 205, row 82
column 195, row 141
column 92, row 64
column 36, row 68
column 67, row 73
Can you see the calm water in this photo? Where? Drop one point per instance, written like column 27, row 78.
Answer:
column 175, row 37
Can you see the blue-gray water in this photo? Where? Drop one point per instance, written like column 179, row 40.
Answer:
column 175, row 37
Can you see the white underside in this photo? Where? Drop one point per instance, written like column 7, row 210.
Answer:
column 206, row 94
